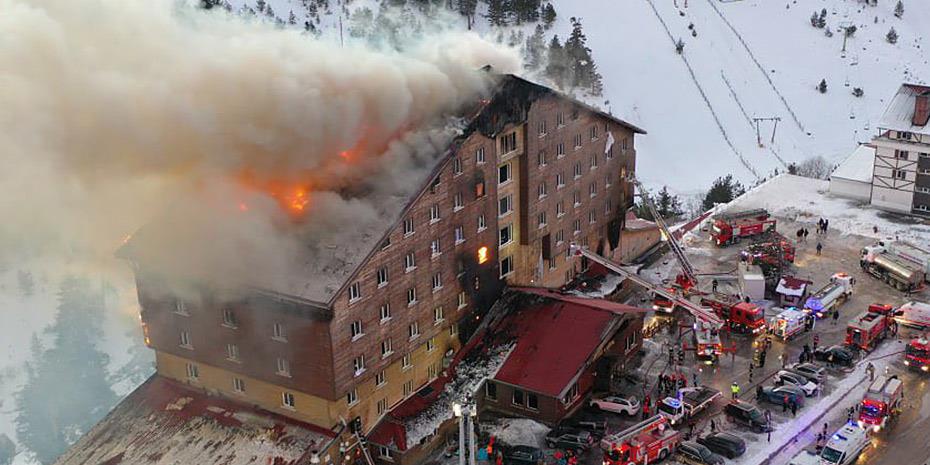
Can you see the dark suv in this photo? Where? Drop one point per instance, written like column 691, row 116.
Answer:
column 523, row 455
column 576, row 440
column 748, row 415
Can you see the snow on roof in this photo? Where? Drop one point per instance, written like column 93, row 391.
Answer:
column 166, row 423
column 858, row 165
column 899, row 113
column 635, row 223
column 790, row 286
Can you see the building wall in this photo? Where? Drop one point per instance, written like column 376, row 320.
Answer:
column 850, row 189
column 636, row 242
column 895, row 172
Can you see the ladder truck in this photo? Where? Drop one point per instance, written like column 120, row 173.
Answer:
column 649, row 441
column 730, row 228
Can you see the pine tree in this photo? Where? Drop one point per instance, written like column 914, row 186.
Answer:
column 497, row 13
column 822, row 21
column 667, row 205
column 535, row 46
column 899, row 9
column 548, row 15
column 524, row 11
column 858, row 92
column 260, row 5
column 556, row 70
column 723, row 190
column 582, row 69
column 269, row 12
column 292, row 18
column 680, row 46
column 467, row 9
column 822, row 87
column 815, row 19
column 851, row 30
column 892, row 36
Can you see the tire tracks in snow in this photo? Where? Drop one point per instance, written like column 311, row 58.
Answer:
column 700, row 89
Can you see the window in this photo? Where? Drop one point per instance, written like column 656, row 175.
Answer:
column 458, row 202
column 387, row 347
column 382, row 406
column 518, row 397
column 541, row 158
column 479, row 188
column 607, row 181
column 541, row 219
column 434, row 185
column 559, row 180
column 505, row 205
column 229, row 318
column 576, row 225
column 592, row 216
column 610, row 153
column 352, row 397
column 408, row 226
column 571, row 395
column 577, row 141
column 434, row 213
column 452, row 329
column 574, row 114
column 459, row 234
column 355, row 328
column 592, row 189
column 594, row 132
column 490, row 390
column 238, row 385
column 413, row 330
column 278, row 333
column 382, row 276
column 482, row 223
column 577, row 170
column 532, row 402
column 924, row 155
column 560, row 119
column 380, row 379
column 607, row 207
column 503, row 174
column 456, row 166
column 407, row 362
column 193, row 372
column 924, row 171
column 438, row 317
column 411, row 296
column 593, row 164
column 479, row 155
column 923, row 190
column 560, row 236
column 901, row 154
column 508, row 142
column 630, row 341
column 560, row 150
column 432, row 371
column 904, row 135
column 355, row 292
column 283, row 367
column 435, row 248
column 358, row 365
column 437, row 282
column 560, row 209
column 180, row 307
column 463, row 299
column 287, row 400
column 923, row 208
column 410, row 262
column 506, row 266
column 505, row 235
column 899, row 174
column 232, row 352
column 385, row 312
column 542, row 190
column 576, row 198
column 541, row 128
column 408, row 388
column 186, row 340
column 431, row 344
column 386, row 243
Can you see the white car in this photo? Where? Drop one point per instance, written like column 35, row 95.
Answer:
column 784, row 377
column 617, row 404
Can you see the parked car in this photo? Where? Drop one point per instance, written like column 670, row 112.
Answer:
column 841, row 355
column 617, row 404
column 693, row 453
column 812, row 371
column 596, row 426
column 578, row 441
column 523, row 455
column 746, row 414
column 777, row 395
column 785, row 377
column 725, row 444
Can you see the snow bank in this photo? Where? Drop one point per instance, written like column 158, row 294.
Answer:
column 518, row 431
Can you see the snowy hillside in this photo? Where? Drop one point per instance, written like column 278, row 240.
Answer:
column 750, row 58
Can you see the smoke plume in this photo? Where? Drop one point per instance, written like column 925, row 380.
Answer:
column 112, row 111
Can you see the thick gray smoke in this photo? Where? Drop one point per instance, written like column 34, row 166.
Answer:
column 110, row 110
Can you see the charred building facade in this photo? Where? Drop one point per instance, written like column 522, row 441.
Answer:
column 532, row 172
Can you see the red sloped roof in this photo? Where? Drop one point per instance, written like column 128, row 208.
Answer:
column 554, row 340
column 596, row 304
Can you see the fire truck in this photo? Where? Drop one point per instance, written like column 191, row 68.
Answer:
column 881, row 402
column 740, row 316
column 650, row 441
column 865, row 331
column 917, row 354
column 828, row 299
column 913, row 314
column 707, row 344
column 730, row 228
column 894, row 270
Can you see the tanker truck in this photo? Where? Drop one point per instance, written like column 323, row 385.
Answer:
column 918, row 256
column 828, row 299
column 894, row 270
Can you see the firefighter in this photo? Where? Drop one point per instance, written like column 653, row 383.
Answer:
column 734, row 390
column 750, row 373
column 714, row 285
column 819, row 248
column 871, row 369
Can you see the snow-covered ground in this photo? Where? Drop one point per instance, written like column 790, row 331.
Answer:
column 518, row 431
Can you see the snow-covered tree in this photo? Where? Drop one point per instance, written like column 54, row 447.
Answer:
column 815, row 167
column 260, row 5
column 534, row 48
column 582, row 69
column 822, row 87
column 556, row 69
column 851, row 30
column 858, row 92
column 497, row 13
column 548, row 15
column 680, row 46
column 723, row 190
column 292, row 18
column 892, row 36
column 361, row 22
column 899, row 9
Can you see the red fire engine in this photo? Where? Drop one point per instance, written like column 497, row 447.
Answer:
column 647, row 442
column 917, row 354
column 881, row 402
column 740, row 316
column 871, row 327
column 729, row 228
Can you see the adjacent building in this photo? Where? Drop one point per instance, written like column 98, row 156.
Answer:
column 373, row 318
column 900, row 179
column 852, row 179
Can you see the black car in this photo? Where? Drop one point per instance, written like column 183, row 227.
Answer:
column 523, row 455
column 746, row 414
column 725, row 444
column 841, row 355
column 779, row 395
column 693, row 453
column 574, row 440
column 596, row 426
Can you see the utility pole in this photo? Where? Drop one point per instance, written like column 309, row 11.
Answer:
column 758, row 120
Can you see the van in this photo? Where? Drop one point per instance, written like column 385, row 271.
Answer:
column 845, row 446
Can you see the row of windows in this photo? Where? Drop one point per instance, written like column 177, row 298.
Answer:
column 230, row 320
column 356, row 330
column 282, row 365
